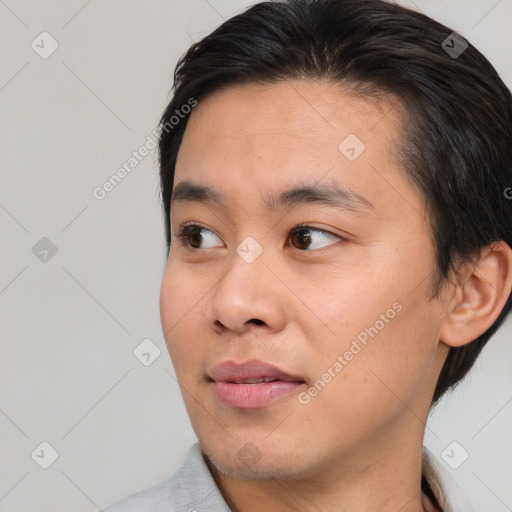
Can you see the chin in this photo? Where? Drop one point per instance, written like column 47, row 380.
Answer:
column 248, row 461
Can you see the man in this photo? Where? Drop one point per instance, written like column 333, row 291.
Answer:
column 339, row 239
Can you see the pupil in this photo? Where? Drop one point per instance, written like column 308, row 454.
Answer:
column 304, row 237
column 196, row 238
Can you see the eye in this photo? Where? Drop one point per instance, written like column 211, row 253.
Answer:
column 301, row 237
column 191, row 235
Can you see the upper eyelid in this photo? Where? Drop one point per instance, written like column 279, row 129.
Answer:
column 293, row 230
column 197, row 226
column 182, row 229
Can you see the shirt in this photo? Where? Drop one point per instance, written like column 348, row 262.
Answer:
column 193, row 489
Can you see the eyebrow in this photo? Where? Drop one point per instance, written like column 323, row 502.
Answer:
column 330, row 195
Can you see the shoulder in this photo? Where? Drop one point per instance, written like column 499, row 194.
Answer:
column 443, row 485
column 157, row 498
column 191, row 488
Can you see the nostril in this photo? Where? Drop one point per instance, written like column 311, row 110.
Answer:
column 219, row 327
column 257, row 321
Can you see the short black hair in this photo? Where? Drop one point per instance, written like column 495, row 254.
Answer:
column 456, row 145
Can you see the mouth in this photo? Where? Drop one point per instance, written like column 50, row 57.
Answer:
column 257, row 380
column 251, row 385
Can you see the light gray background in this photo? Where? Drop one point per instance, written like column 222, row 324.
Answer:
column 68, row 375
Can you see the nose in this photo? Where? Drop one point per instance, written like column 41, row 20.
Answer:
column 247, row 297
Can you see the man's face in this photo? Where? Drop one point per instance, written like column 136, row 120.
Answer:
column 341, row 304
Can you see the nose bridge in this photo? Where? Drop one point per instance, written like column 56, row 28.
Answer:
column 244, row 292
column 243, row 282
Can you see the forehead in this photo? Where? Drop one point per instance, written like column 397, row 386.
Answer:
column 300, row 110
column 257, row 138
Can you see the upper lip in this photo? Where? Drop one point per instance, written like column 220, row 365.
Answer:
column 230, row 371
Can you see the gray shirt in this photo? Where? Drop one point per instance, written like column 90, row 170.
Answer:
column 193, row 489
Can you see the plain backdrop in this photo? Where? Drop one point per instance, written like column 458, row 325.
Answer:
column 80, row 277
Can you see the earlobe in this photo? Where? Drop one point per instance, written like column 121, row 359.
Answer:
column 484, row 288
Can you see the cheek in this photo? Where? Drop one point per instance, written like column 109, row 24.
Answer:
column 386, row 338
column 181, row 307
column 384, row 365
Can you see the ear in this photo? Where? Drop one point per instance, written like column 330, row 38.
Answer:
column 480, row 295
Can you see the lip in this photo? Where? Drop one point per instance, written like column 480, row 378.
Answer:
column 229, row 382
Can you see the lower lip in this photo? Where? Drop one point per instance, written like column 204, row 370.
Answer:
column 253, row 396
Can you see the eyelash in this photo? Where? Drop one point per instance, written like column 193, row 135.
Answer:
column 185, row 229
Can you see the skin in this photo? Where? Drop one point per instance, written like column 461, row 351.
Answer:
column 356, row 446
